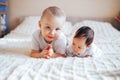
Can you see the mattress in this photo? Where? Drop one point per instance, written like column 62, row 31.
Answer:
column 16, row 64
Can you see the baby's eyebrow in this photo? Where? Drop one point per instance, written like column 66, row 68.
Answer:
column 80, row 47
column 46, row 24
column 52, row 26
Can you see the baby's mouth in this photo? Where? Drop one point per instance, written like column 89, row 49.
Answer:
column 50, row 37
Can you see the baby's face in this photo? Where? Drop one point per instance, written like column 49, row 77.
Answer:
column 51, row 27
column 78, row 45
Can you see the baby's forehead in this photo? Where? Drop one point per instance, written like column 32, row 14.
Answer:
column 55, row 22
column 54, row 16
column 80, row 37
column 80, row 40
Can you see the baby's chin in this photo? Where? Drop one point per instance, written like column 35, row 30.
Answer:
column 48, row 41
column 78, row 53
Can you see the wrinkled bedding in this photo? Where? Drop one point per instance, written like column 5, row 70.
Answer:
column 16, row 64
column 19, row 67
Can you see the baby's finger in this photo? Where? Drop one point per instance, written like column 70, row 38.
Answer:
column 47, row 57
column 48, row 47
column 45, row 52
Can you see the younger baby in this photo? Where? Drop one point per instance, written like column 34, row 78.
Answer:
column 81, row 45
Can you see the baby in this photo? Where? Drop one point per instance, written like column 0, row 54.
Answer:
column 49, row 41
column 81, row 45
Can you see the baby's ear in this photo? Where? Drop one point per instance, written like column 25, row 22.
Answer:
column 39, row 23
column 88, row 46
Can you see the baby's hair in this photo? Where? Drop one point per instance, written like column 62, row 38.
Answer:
column 86, row 32
column 54, row 11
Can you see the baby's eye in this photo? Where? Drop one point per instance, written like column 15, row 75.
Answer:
column 57, row 29
column 79, row 47
column 47, row 27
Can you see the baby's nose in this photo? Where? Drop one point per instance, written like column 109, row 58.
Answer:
column 53, row 32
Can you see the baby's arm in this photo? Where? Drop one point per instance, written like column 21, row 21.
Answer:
column 60, row 52
column 37, row 54
column 51, row 53
column 45, row 53
column 55, row 55
column 88, row 56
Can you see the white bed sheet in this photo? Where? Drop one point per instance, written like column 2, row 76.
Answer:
column 15, row 64
column 19, row 67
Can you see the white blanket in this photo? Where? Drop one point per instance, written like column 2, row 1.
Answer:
column 15, row 63
column 19, row 67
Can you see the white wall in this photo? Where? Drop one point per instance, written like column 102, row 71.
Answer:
column 80, row 8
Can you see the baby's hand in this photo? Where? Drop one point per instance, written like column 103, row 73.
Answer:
column 88, row 56
column 49, row 50
column 44, row 53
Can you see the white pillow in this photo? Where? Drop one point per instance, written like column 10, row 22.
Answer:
column 14, row 45
column 67, row 29
column 28, row 26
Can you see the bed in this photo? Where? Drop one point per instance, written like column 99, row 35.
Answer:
column 16, row 64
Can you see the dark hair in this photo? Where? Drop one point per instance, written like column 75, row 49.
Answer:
column 87, row 32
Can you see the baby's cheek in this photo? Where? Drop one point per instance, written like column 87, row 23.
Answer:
column 58, row 33
column 56, row 36
column 82, row 51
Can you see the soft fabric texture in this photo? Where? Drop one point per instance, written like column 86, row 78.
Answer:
column 16, row 64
